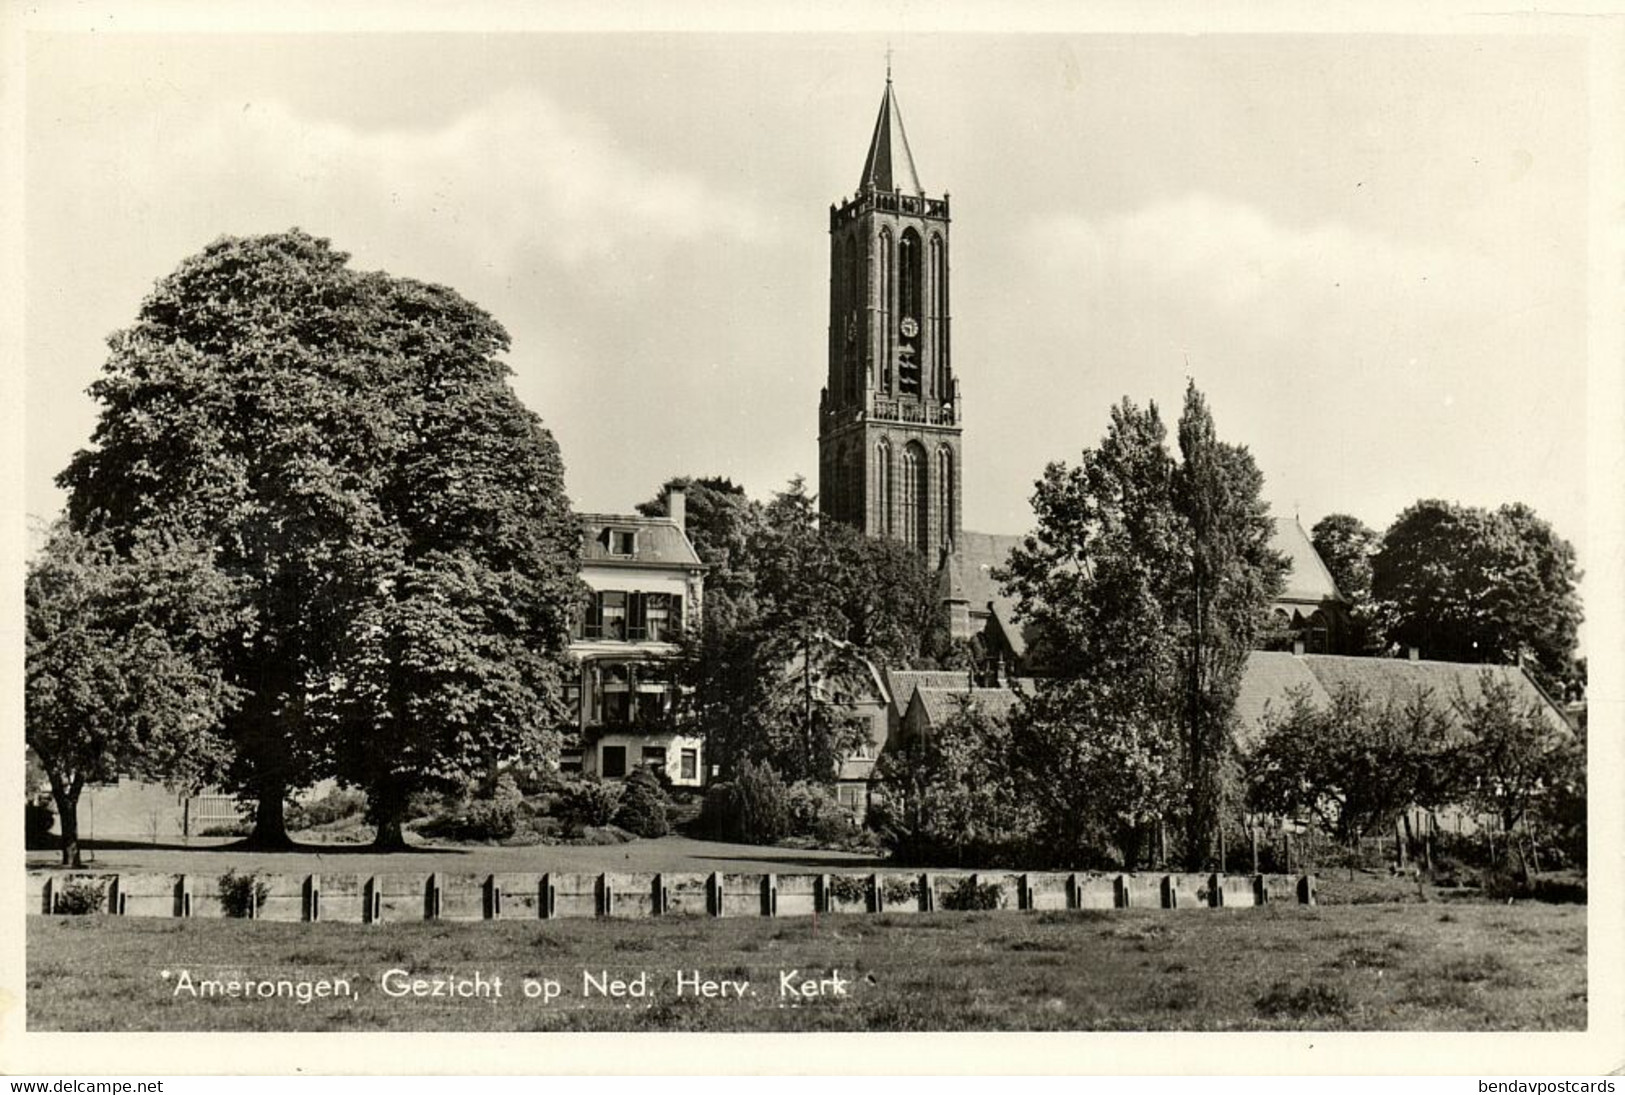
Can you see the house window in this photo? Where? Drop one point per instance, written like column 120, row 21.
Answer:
column 691, row 763
column 615, row 685
column 849, row 795
column 612, row 615
column 654, row 757
column 657, row 617
column 623, row 542
column 613, row 764
column 572, row 700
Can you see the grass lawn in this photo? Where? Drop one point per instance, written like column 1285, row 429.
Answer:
column 1417, row 966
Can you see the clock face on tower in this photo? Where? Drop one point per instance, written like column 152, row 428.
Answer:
column 909, row 327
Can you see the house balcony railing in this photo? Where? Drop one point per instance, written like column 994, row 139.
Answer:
column 630, row 633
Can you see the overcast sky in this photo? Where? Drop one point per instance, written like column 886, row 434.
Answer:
column 1369, row 251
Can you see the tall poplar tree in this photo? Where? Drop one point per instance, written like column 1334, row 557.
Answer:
column 1149, row 580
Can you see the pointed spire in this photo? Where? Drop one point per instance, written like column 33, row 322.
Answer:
column 890, row 164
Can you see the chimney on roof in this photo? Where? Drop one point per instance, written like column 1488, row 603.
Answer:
column 1415, row 653
column 677, row 507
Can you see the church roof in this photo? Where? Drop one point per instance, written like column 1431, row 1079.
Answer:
column 976, row 555
column 1271, row 679
column 890, row 163
column 1307, row 579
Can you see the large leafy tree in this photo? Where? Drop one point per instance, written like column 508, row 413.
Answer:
column 1518, row 750
column 1346, row 545
column 122, row 665
column 951, row 796
column 723, row 523
column 805, row 609
column 1149, row 578
column 348, row 444
column 1475, row 585
column 1355, row 764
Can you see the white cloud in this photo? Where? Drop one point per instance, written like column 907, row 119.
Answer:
column 1233, row 260
column 515, row 180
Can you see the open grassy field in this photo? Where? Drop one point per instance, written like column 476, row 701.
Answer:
column 1353, row 967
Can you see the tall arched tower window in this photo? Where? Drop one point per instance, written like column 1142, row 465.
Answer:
column 945, row 493
column 916, row 509
column 883, row 498
column 909, row 296
column 883, row 303
column 854, row 321
column 939, row 320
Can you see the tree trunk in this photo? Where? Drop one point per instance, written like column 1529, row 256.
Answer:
column 66, row 797
column 270, row 823
column 388, row 803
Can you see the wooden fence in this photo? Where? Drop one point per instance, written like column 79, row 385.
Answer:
column 383, row 898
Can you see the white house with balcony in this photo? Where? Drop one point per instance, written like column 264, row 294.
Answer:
column 648, row 587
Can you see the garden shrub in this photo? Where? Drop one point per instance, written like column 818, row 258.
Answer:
column 492, row 817
column 240, row 891
column 587, row 801
column 81, row 897
column 338, row 804
column 969, row 894
column 901, row 891
column 716, row 811
column 847, row 890
column 643, row 805
column 760, row 806
column 815, row 813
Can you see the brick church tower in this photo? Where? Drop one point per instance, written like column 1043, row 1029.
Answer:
column 888, row 420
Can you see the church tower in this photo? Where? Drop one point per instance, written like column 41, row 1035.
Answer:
column 888, row 420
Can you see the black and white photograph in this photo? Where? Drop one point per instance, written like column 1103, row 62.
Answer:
column 887, row 529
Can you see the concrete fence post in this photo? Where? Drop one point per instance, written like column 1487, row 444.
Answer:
column 1215, row 891
column 770, row 895
column 606, row 895
column 1170, row 894
column 313, row 898
column 823, row 900
column 116, row 896
column 183, row 896
column 1024, row 893
column 547, row 898
column 48, row 895
column 877, row 894
column 1306, row 890
column 431, row 897
column 1121, row 892
column 660, row 897
column 715, row 889
column 372, row 909
column 1261, row 890
column 493, row 898
column 928, row 892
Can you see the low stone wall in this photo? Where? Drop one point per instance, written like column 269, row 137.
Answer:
column 633, row 895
